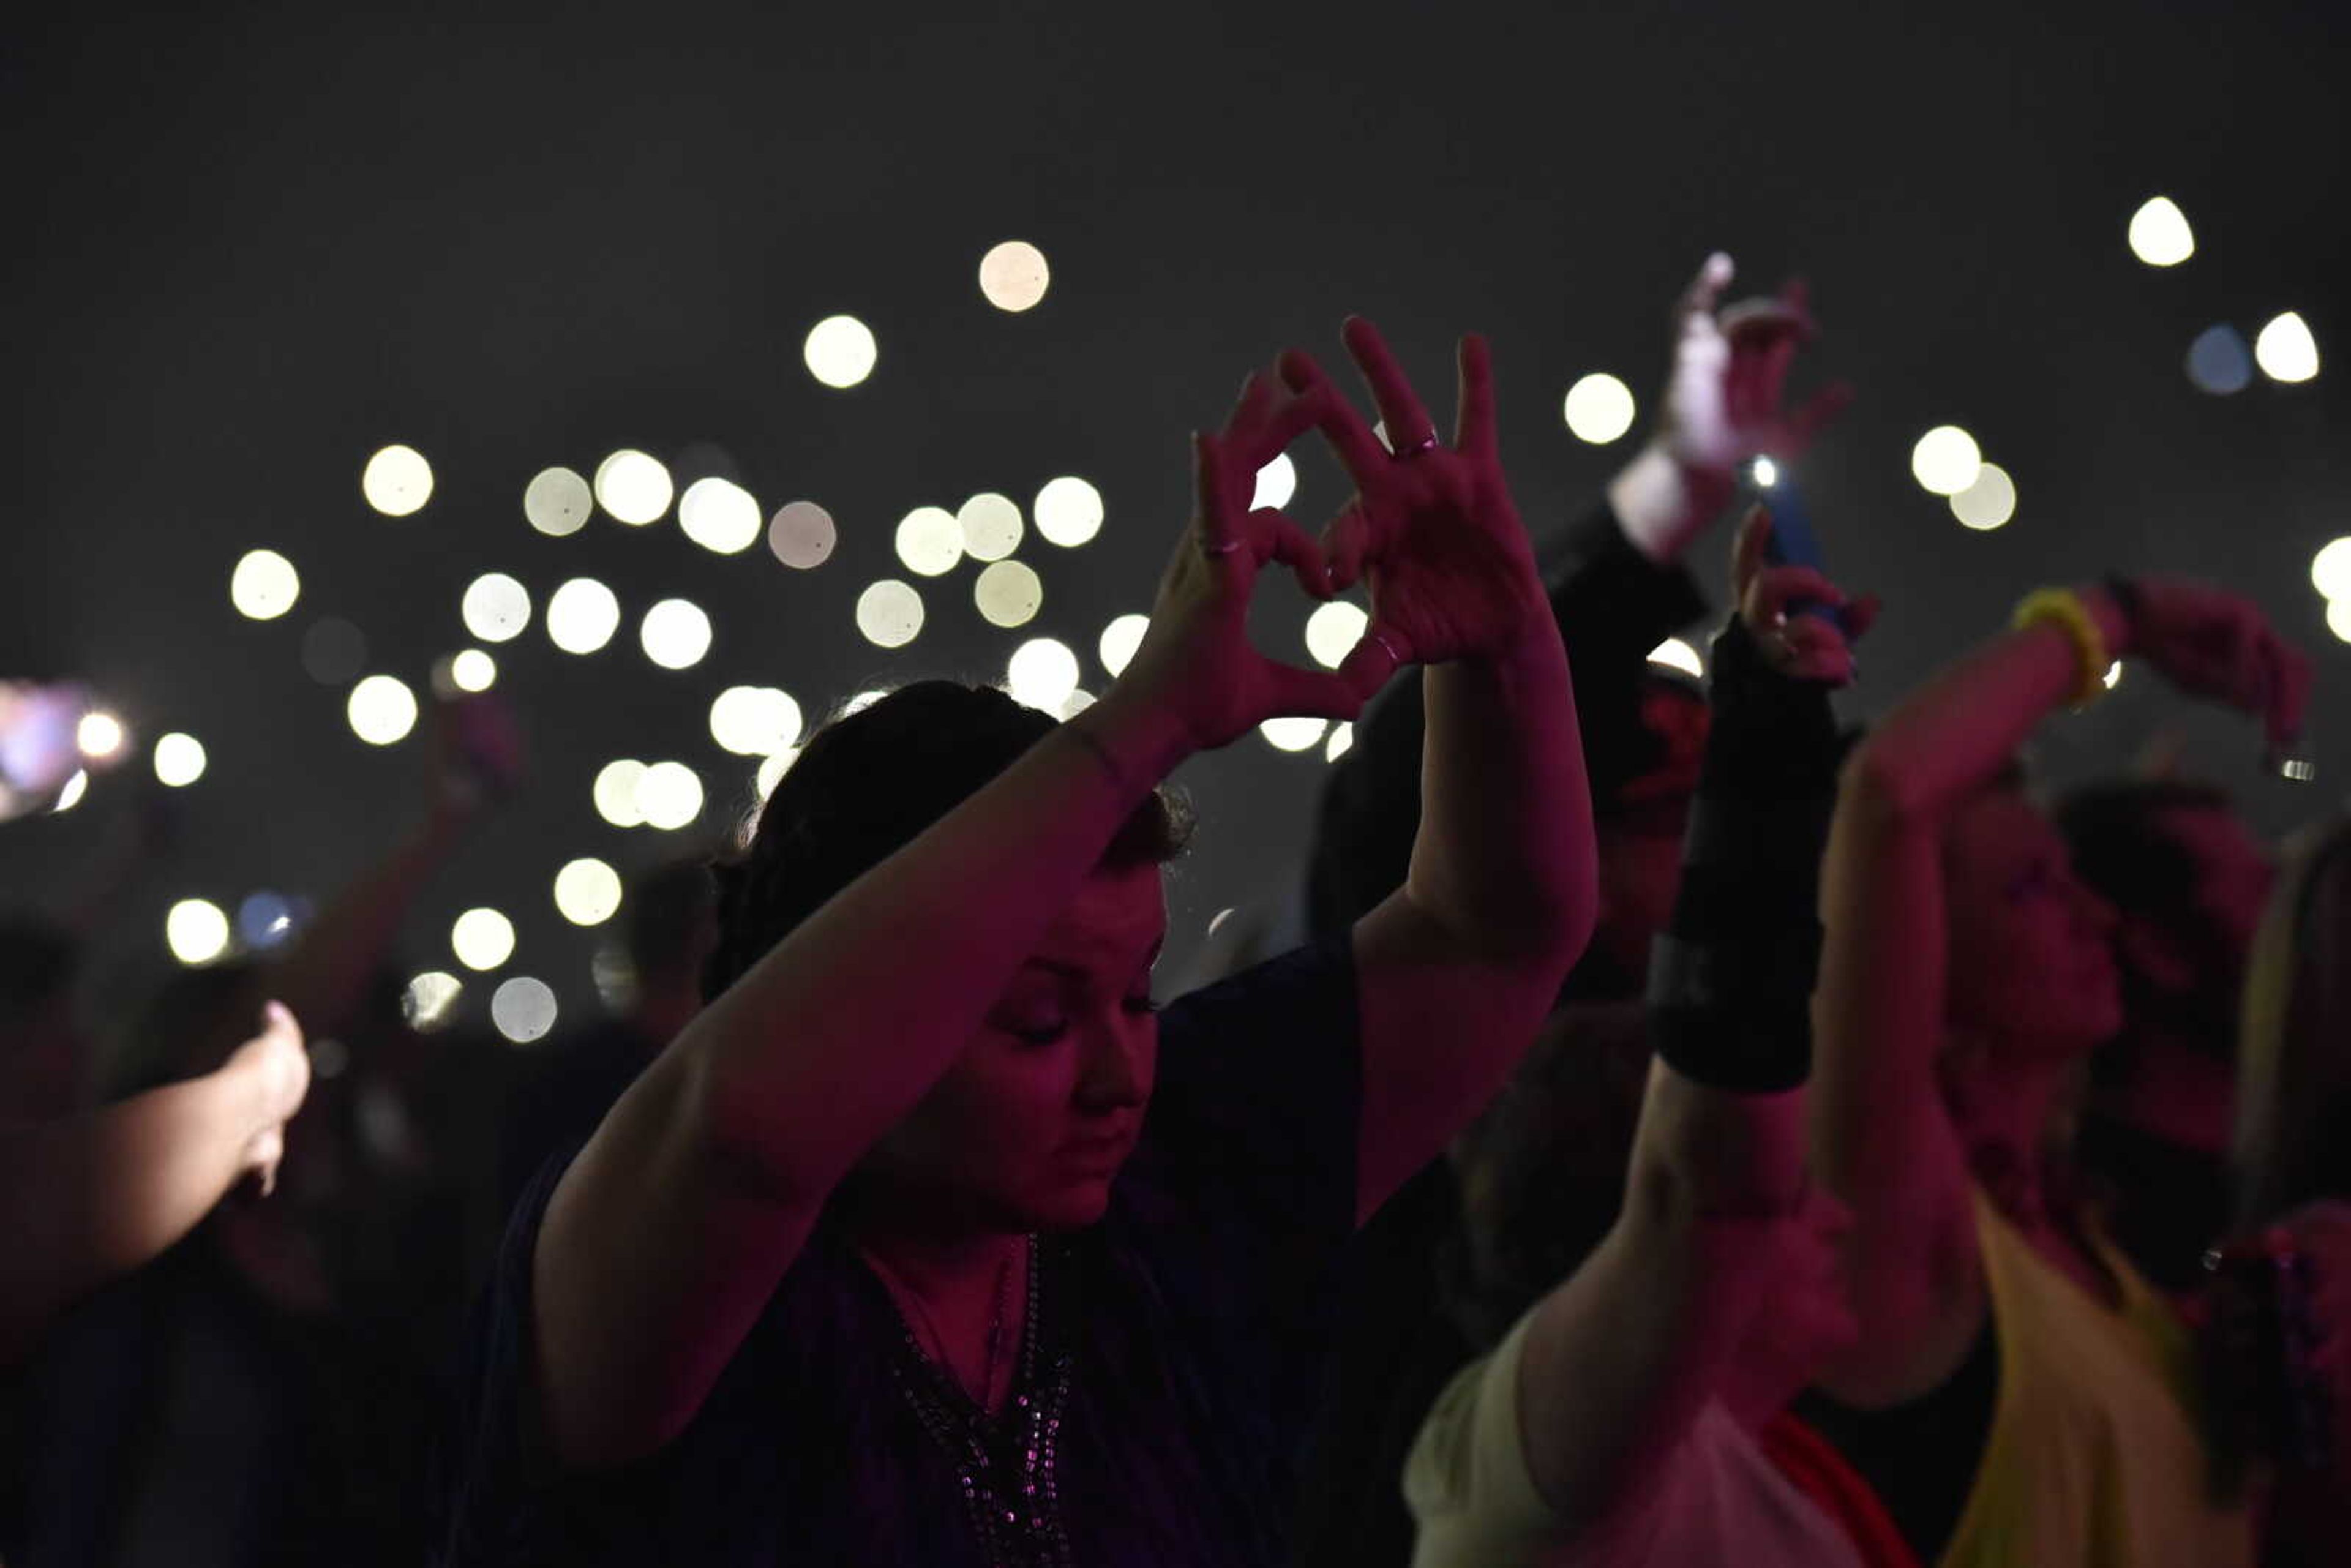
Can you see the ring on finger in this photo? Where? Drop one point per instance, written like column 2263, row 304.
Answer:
column 1386, row 647
column 1412, row 449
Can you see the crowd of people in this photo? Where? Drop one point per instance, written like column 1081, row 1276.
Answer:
column 1691, row 1130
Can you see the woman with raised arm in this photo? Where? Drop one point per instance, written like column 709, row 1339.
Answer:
column 2016, row 1392
column 1621, row 1420
column 933, row 1239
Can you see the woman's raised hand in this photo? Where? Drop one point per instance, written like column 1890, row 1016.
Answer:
column 1196, row 661
column 2212, row 644
column 1431, row 527
column 276, row 1067
column 1801, row 647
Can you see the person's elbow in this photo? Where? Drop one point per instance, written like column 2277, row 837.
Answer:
column 1880, row 787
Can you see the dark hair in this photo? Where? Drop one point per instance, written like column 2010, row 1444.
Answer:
column 666, row 917
column 865, row 786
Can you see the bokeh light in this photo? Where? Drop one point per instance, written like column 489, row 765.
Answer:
column 861, row 702
column 2218, row 362
column 633, row 487
column 471, row 669
column 197, row 930
column 523, row 1010
column 1765, row 471
column 801, row 535
column 381, row 709
column 1332, row 632
column 676, row 633
column 990, row 524
column 482, row 938
column 2330, row 569
column 263, row 919
column 2339, row 618
column 1077, row 702
column 720, row 516
column 495, row 607
column 1008, row 593
column 587, row 892
column 1293, row 733
column 2159, row 235
column 430, row 1000
column 334, row 652
column 179, row 759
column 755, row 721
column 1676, row 654
column 840, row 350
column 75, row 789
column 1013, row 275
column 1041, row 674
column 1277, row 483
column 669, row 796
column 929, row 541
column 1341, row 741
column 2286, row 351
column 558, row 502
column 263, row 586
column 772, row 770
column 582, row 615
column 889, row 613
column 616, row 792
column 1068, row 511
column 1120, row 638
column 397, row 481
column 1946, row 460
column 1598, row 409
column 98, row 734
column 1988, row 503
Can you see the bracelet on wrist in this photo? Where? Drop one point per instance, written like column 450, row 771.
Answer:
column 2063, row 609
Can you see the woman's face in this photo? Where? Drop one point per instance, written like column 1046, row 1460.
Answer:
column 1029, row 1126
column 2030, row 963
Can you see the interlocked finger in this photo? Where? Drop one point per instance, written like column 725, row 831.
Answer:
column 1410, row 430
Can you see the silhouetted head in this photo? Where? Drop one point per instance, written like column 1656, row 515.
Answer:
column 41, row 1044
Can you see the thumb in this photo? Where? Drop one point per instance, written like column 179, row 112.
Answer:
column 1317, row 693
column 1383, row 650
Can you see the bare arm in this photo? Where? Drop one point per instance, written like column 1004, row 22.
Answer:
column 85, row 1201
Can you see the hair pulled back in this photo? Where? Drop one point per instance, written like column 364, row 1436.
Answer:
column 865, row 786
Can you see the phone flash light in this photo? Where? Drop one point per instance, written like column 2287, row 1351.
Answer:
column 1766, row 472
column 2301, row 769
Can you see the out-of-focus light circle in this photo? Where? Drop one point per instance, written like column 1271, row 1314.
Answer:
column 990, row 525
column 2159, row 235
column 930, row 541
column 1008, row 593
column 1277, row 482
column 889, row 613
column 2286, row 351
column 1675, row 654
column 430, row 1000
column 558, row 502
column 2330, row 569
column 100, row 735
column 179, row 759
column 1120, row 638
column 523, row 1009
column 471, row 669
column 720, row 516
column 840, row 350
column 587, row 892
column 264, row 920
column 197, row 930
column 755, row 721
column 676, row 633
column 1598, row 409
column 381, row 709
column 333, row 650
column 1293, row 733
column 1766, row 473
column 1988, row 502
column 495, row 607
column 1076, row 702
column 397, row 481
column 582, row 615
column 2339, row 618
column 2219, row 360
column 1068, row 511
column 616, row 792
column 263, row 586
column 1332, row 632
column 669, row 796
column 1343, row 740
column 1946, row 460
column 772, row 770
column 801, row 535
column 482, row 938
column 1013, row 275
column 633, row 487
column 1041, row 674
column 75, row 789
column 861, row 702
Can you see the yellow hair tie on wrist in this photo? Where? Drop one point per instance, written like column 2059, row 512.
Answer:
column 2063, row 608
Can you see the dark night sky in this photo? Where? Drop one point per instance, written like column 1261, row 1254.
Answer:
column 256, row 245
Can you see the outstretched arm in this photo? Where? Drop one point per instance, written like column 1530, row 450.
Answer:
column 85, row 1201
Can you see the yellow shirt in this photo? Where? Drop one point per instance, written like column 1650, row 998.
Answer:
column 2094, row 1456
